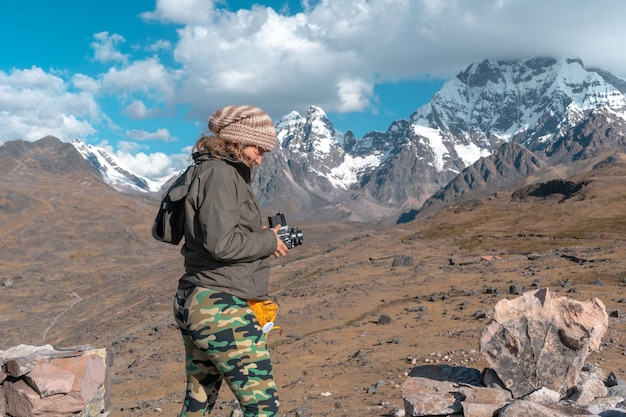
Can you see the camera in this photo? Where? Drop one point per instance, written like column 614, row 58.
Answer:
column 291, row 236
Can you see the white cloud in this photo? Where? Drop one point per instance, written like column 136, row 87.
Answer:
column 282, row 62
column 186, row 12
column 33, row 78
column 160, row 45
column 261, row 57
column 147, row 76
column 138, row 110
column 85, row 83
column 105, row 47
column 156, row 166
column 125, row 147
column 142, row 135
column 354, row 95
column 63, row 126
column 151, row 166
column 35, row 104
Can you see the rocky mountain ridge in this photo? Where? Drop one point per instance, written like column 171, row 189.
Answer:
column 113, row 171
column 557, row 111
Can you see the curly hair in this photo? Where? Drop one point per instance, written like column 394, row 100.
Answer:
column 220, row 148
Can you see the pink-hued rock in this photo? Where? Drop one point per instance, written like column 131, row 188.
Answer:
column 19, row 360
column 89, row 372
column 47, row 379
column 94, row 377
column 19, row 367
column 20, row 398
column 57, row 384
column 23, row 401
column 538, row 340
column 3, row 403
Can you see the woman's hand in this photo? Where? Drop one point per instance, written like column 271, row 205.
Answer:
column 281, row 248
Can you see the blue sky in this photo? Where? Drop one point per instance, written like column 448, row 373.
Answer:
column 141, row 77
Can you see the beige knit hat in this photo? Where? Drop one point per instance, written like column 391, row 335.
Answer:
column 247, row 125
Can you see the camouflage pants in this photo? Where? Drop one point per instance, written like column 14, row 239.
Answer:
column 223, row 342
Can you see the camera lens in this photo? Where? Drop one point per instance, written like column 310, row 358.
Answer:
column 296, row 237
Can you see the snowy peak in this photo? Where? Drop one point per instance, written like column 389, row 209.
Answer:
column 112, row 171
column 543, row 106
column 518, row 101
column 323, row 156
column 312, row 136
column 321, row 137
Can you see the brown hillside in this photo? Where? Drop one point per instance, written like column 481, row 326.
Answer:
column 78, row 266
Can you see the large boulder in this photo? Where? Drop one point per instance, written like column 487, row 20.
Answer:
column 539, row 340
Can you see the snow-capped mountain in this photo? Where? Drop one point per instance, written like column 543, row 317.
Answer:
column 317, row 144
column 112, row 170
column 536, row 103
column 555, row 111
column 529, row 102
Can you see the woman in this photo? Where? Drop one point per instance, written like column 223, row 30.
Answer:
column 226, row 254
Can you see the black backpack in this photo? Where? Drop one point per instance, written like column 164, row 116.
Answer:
column 169, row 224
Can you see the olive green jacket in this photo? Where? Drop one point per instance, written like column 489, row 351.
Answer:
column 225, row 248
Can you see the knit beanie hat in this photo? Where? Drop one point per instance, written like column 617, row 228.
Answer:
column 247, row 125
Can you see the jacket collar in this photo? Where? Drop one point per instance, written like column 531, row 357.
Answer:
column 242, row 168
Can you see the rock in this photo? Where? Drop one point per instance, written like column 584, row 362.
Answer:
column 22, row 351
column 586, row 392
column 402, row 260
column 607, row 406
column 427, row 397
column 482, row 402
column 18, row 367
column 2, row 403
column 616, row 378
column 619, row 390
column 23, row 401
column 48, row 379
column 442, row 390
column 19, row 360
column 491, row 379
column 52, row 382
column 616, row 412
column 538, row 340
column 543, row 396
column 591, row 371
column 522, row 408
column 479, row 314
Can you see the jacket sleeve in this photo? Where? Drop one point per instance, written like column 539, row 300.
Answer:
column 230, row 221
